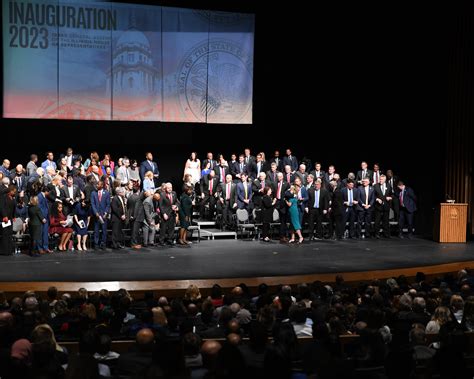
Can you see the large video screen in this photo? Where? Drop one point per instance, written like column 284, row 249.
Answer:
column 111, row 61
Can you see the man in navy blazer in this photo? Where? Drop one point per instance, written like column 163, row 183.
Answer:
column 290, row 160
column 350, row 196
column 149, row 165
column 100, row 202
column 366, row 206
column 244, row 197
column 407, row 199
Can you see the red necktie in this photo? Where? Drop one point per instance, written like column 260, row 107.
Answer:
column 210, row 187
column 228, row 191
column 170, row 197
column 263, row 185
column 288, row 178
column 222, row 174
column 279, row 191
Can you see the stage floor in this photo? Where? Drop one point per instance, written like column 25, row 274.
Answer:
column 232, row 259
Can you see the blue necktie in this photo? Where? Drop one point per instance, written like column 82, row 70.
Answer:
column 316, row 199
column 350, row 198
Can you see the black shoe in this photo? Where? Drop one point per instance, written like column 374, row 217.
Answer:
column 401, row 236
column 410, row 236
column 35, row 255
column 102, row 247
column 377, row 237
column 161, row 244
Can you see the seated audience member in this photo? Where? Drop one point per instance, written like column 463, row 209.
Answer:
column 139, row 356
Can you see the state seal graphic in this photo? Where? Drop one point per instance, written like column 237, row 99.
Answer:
column 215, row 82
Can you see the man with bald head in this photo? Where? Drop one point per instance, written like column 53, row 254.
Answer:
column 19, row 180
column 209, row 351
column 227, row 202
column 139, row 356
column 5, row 168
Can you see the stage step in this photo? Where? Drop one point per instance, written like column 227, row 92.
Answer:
column 217, row 233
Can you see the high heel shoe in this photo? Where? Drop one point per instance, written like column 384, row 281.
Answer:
column 79, row 247
column 300, row 241
column 291, row 241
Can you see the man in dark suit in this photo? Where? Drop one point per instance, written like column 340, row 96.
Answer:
column 328, row 176
column 244, row 193
column 318, row 172
column 408, row 208
column 272, row 174
column 149, row 165
column 392, row 180
column 336, row 211
column 100, row 202
column 108, row 179
column 70, row 195
column 366, row 206
column 248, row 158
column 239, row 169
column 278, row 161
column 350, row 197
column 288, row 176
column 258, row 187
column 118, row 217
column 139, row 357
column 227, row 202
column 364, row 172
column 375, row 178
column 279, row 189
column 318, row 205
column 70, row 158
column 302, row 174
column 168, row 205
column 19, row 180
column 233, row 165
column 222, row 170
column 209, row 159
column 255, row 168
column 290, row 160
column 209, row 189
column 383, row 199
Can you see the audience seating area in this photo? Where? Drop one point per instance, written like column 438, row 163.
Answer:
column 398, row 328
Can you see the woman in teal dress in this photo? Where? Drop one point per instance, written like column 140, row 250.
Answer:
column 292, row 203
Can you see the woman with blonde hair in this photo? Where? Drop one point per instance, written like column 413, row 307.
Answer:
column 148, row 182
column 292, row 203
column 441, row 316
column 192, row 293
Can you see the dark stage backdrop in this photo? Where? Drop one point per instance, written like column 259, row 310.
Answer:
column 337, row 85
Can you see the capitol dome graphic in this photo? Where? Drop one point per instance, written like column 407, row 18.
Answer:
column 132, row 73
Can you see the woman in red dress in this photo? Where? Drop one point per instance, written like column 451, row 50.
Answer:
column 57, row 224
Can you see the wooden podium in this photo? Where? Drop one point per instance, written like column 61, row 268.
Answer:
column 451, row 223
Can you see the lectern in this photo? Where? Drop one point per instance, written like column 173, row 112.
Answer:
column 451, row 223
